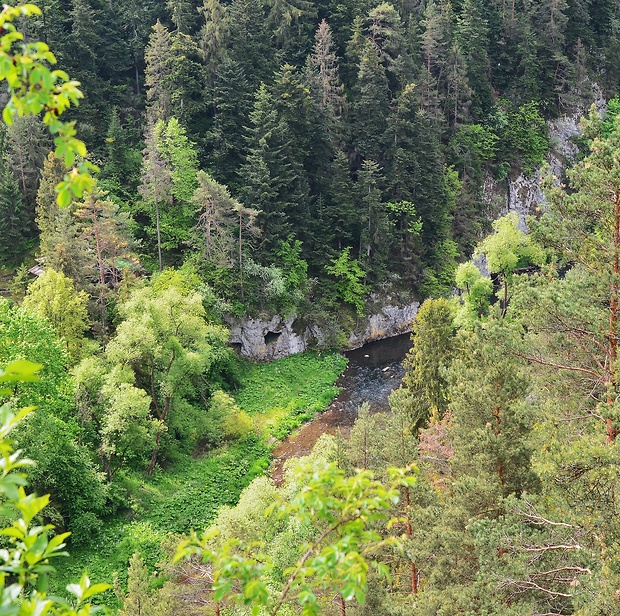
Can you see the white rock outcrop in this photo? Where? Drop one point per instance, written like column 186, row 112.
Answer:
column 265, row 339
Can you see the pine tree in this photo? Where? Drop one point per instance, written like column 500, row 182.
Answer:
column 105, row 231
column 214, row 233
column 168, row 182
column 156, row 183
column 61, row 246
column 290, row 22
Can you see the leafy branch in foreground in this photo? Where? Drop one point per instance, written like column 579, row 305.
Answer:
column 25, row 563
column 345, row 513
column 35, row 89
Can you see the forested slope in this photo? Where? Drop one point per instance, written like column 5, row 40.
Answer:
column 250, row 137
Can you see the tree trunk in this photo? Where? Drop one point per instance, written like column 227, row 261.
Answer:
column 158, row 235
column 155, row 450
column 613, row 321
column 102, row 298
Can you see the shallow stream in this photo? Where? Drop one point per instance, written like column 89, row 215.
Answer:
column 373, row 372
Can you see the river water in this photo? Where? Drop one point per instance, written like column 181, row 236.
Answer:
column 372, row 373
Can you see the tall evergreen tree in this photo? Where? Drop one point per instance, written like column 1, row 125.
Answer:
column 158, row 58
column 370, row 105
column 274, row 181
column 14, row 223
column 232, row 103
column 374, row 221
column 472, row 34
column 213, row 37
column 27, row 145
column 324, row 63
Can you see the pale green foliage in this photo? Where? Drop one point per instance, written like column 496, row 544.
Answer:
column 433, row 350
column 509, row 247
column 181, row 155
column 54, row 297
column 35, row 89
column 234, row 422
column 349, row 287
column 216, row 209
column 477, row 290
column 25, row 563
column 366, row 446
column 340, row 515
column 166, row 341
column 272, row 277
column 127, row 430
column 140, row 599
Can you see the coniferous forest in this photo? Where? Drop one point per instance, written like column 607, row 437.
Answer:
column 251, row 158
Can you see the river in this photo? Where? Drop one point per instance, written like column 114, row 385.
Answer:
column 372, row 373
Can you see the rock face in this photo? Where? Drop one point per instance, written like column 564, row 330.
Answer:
column 391, row 321
column 522, row 194
column 263, row 339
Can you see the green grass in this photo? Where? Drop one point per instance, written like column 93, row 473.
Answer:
column 283, row 394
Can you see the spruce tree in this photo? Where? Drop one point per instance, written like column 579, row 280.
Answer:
column 158, row 58
column 14, row 223
column 213, row 37
column 232, row 103
column 324, row 63
column 425, row 385
column 370, row 105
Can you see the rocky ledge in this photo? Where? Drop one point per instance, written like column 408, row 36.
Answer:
column 264, row 339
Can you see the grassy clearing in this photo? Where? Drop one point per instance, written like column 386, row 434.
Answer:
column 280, row 396
column 283, row 394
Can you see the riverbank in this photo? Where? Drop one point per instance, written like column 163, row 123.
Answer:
column 372, row 373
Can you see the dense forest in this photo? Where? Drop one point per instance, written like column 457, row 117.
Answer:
column 264, row 156
column 286, row 151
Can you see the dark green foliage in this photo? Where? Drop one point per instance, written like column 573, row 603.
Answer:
column 370, row 104
column 232, row 103
column 14, row 219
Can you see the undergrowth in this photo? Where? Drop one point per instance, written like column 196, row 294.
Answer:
column 280, row 396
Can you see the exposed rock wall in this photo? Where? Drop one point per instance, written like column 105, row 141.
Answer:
column 264, row 339
column 522, row 194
